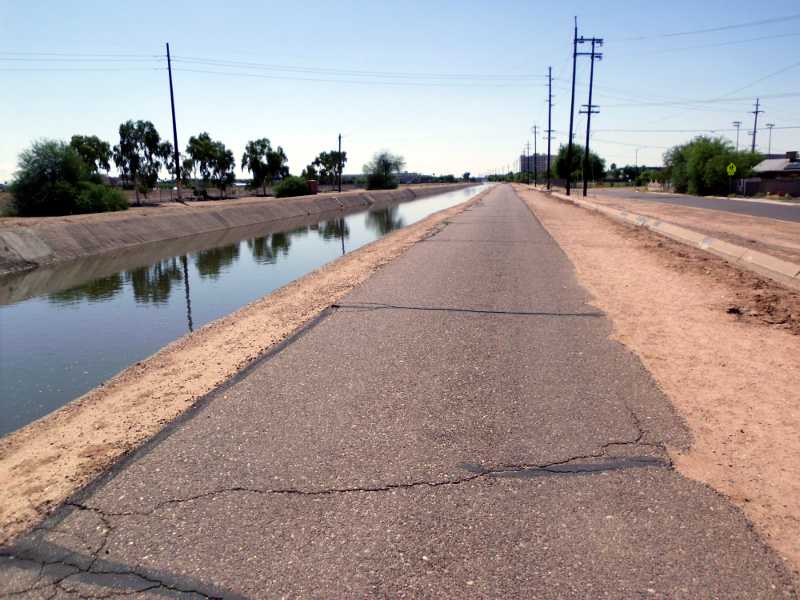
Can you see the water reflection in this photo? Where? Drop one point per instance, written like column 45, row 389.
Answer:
column 99, row 290
column 211, row 263
column 153, row 284
column 385, row 220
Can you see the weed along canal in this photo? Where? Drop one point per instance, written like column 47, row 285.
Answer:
column 66, row 328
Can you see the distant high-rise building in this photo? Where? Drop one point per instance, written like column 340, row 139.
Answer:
column 540, row 160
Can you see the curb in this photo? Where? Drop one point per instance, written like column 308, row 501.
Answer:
column 782, row 271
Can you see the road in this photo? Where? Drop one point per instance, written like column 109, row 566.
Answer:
column 460, row 426
column 787, row 212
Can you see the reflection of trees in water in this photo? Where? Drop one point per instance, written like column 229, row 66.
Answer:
column 261, row 250
column 210, row 263
column 153, row 284
column 385, row 220
column 280, row 242
column 334, row 229
column 98, row 290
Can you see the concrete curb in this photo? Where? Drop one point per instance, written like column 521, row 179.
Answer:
column 782, row 271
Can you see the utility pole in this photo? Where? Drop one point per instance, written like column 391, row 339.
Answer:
column 590, row 108
column 174, row 127
column 769, row 147
column 527, row 153
column 535, row 168
column 737, row 124
column 549, row 118
column 755, row 124
column 572, row 104
column 341, row 166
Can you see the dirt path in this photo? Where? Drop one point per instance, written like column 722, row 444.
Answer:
column 43, row 463
column 772, row 236
column 723, row 344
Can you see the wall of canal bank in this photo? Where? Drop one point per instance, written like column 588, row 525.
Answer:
column 30, row 243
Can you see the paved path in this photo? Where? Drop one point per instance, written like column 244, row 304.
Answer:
column 460, row 427
column 783, row 212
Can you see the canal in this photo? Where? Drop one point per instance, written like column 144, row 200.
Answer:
column 65, row 329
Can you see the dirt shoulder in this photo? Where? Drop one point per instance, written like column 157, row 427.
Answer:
column 45, row 462
column 723, row 344
column 771, row 236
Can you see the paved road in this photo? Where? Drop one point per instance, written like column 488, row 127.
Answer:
column 459, row 427
column 788, row 212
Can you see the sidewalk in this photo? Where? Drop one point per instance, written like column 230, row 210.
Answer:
column 459, row 426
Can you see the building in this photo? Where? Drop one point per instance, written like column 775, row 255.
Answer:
column 779, row 176
column 534, row 163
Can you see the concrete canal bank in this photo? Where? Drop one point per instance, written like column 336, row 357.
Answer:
column 30, row 243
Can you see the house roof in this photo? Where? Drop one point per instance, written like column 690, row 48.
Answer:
column 777, row 165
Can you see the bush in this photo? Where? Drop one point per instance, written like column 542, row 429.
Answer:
column 379, row 181
column 53, row 180
column 291, row 186
column 94, row 197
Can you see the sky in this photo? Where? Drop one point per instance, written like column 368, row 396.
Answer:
column 451, row 86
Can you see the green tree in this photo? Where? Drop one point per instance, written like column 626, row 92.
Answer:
column 52, row 179
column 254, row 160
column 95, row 153
column 382, row 170
column 700, row 166
column 575, row 168
column 277, row 164
column 330, row 165
column 466, row 176
column 310, row 172
column 139, row 155
column 222, row 167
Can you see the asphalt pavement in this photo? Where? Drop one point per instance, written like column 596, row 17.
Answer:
column 460, row 426
column 772, row 210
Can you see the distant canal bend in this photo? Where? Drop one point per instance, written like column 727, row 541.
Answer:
column 67, row 328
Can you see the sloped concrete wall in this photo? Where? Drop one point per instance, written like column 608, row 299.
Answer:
column 30, row 243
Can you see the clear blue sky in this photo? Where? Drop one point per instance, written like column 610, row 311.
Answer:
column 453, row 86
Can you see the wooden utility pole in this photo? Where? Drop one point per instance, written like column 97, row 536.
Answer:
column 549, row 118
column 177, row 152
column 341, row 165
column 755, row 125
column 572, row 105
column 590, row 108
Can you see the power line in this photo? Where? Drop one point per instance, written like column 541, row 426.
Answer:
column 715, row 29
column 352, row 72
column 721, row 44
column 353, row 81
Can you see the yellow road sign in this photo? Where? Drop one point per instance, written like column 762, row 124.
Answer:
column 731, row 170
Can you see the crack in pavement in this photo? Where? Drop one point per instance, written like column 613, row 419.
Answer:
column 362, row 306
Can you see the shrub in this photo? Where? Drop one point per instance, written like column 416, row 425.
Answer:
column 94, row 197
column 291, row 186
column 379, row 181
column 53, row 180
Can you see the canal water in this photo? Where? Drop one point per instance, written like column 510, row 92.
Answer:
column 67, row 328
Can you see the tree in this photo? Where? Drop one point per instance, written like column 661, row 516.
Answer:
column 222, row 166
column 381, row 171
column 254, row 160
column 310, row 172
column 52, row 179
column 330, row 165
column 575, row 169
column 465, row 176
column 139, row 155
column 95, row 153
column 700, row 166
column 276, row 164
column 291, row 186
column 212, row 161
